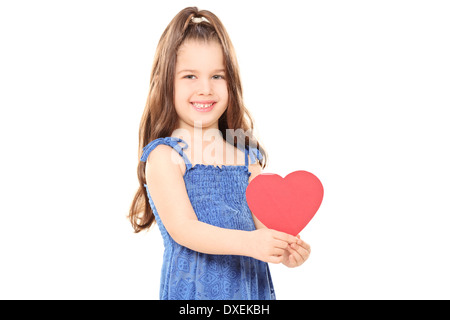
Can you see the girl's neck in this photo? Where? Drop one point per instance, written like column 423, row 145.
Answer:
column 206, row 145
column 198, row 135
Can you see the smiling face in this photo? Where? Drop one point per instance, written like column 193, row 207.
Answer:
column 201, row 93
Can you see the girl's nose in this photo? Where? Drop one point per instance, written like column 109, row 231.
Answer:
column 204, row 87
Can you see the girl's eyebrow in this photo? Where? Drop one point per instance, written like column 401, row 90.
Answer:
column 187, row 70
column 196, row 71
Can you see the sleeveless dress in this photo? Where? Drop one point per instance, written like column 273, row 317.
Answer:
column 217, row 195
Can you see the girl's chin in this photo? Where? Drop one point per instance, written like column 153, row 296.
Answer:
column 203, row 122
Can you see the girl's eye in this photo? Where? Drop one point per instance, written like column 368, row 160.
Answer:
column 215, row 77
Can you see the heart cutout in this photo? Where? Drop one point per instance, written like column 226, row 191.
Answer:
column 285, row 204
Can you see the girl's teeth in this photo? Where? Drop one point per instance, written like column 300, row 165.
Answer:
column 198, row 105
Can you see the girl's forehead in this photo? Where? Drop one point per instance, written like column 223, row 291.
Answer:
column 200, row 53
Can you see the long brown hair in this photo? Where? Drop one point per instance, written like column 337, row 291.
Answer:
column 160, row 119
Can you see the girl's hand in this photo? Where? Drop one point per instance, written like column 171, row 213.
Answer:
column 296, row 253
column 269, row 245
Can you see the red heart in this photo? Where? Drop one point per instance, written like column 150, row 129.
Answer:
column 285, row 204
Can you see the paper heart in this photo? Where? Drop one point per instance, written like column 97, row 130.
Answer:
column 285, row 204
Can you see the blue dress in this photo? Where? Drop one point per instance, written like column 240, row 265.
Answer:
column 217, row 195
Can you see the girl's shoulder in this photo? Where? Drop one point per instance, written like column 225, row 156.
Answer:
column 239, row 160
column 239, row 157
column 164, row 157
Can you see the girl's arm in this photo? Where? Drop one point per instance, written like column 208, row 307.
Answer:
column 166, row 185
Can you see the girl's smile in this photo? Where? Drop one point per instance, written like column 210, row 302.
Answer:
column 203, row 106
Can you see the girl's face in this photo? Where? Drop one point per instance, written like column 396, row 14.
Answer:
column 201, row 93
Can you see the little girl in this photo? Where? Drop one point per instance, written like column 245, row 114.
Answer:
column 214, row 248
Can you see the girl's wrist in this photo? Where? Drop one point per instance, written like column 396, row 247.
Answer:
column 247, row 243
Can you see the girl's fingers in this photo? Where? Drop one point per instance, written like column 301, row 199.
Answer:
column 302, row 243
column 298, row 259
column 277, row 251
column 275, row 259
column 292, row 260
column 304, row 254
column 305, row 246
column 284, row 236
column 280, row 244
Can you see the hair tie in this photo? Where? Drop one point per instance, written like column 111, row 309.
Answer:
column 199, row 19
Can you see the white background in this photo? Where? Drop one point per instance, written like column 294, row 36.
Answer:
column 356, row 92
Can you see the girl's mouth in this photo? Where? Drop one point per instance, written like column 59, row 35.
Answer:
column 203, row 106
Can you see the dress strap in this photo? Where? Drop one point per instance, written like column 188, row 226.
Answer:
column 253, row 153
column 170, row 141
